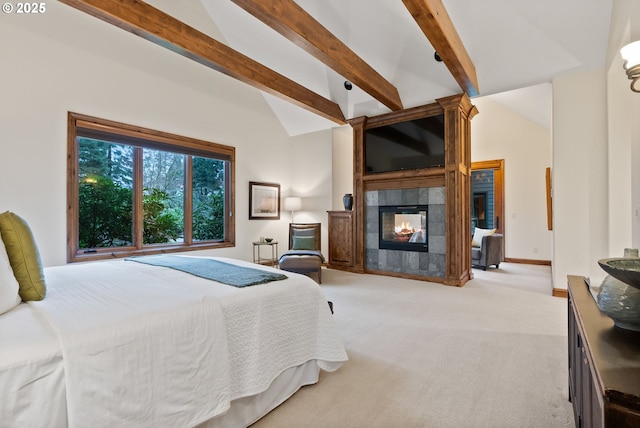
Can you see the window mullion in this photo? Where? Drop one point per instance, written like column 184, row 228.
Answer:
column 229, row 204
column 188, row 200
column 138, row 210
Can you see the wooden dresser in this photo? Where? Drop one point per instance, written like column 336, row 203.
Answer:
column 604, row 364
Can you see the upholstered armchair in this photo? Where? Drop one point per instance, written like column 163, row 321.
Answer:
column 489, row 252
column 304, row 255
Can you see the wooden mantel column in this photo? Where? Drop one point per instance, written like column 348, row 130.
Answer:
column 458, row 112
column 358, row 124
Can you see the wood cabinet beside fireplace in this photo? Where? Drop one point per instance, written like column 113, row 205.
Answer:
column 341, row 240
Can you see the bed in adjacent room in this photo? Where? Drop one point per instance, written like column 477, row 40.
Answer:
column 127, row 344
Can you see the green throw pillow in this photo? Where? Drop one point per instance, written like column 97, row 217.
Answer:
column 304, row 243
column 23, row 256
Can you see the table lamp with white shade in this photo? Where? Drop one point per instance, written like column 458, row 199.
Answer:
column 292, row 203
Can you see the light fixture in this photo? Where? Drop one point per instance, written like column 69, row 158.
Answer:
column 292, row 203
column 631, row 57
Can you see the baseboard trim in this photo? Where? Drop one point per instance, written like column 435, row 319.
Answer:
column 528, row 261
column 560, row 292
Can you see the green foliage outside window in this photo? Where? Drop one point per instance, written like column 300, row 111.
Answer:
column 160, row 223
column 208, row 199
column 106, row 196
column 105, row 213
column 207, row 218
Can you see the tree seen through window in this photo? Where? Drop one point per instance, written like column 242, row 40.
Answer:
column 131, row 194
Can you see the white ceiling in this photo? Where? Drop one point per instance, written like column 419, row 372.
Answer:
column 532, row 102
column 513, row 43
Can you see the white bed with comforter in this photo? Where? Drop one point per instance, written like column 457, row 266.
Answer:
column 126, row 344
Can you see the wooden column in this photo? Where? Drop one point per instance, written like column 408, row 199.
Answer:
column 358, row 124
column 458, row 112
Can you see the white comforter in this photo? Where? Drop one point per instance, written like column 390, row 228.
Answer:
column 150, row 346
column 31, row 372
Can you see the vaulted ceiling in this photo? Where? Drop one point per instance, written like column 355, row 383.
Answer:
column 307, row 49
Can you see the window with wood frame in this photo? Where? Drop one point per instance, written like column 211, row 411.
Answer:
column 134, row 191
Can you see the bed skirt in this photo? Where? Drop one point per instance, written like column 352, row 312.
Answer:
column 247, row 410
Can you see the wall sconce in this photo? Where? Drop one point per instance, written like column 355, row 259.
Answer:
column 292, row 204
column 631, row 57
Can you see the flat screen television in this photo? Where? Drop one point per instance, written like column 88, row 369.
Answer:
column 414, row 144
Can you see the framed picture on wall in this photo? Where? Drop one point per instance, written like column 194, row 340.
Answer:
column 264, row 201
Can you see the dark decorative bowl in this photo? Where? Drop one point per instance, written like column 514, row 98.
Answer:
column 268, row 239
column 620, row 302
column 625, row 269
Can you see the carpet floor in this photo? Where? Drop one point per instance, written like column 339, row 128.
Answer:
column 490, row 354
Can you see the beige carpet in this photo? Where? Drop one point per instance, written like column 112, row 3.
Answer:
column 490, row 354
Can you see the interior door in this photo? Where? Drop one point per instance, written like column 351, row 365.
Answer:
column 487, row 195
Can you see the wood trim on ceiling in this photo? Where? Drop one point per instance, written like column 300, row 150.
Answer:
column 434, row 21
column 294, row 23
column 164, row 30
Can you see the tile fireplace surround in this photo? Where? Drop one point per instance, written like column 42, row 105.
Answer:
column 427, row 264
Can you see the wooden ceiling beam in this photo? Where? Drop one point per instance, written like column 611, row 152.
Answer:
column 435, row 23
column 152, row 24
column 294, row 23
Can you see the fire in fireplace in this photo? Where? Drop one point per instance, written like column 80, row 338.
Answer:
column 403, row 228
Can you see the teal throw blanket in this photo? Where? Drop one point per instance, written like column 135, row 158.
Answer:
column 226, row 273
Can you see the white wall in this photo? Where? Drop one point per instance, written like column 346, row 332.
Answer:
column 620, row 160
column 596, row 158
column 500, row 133
column 65, row 60
column 311, row 179
column 580, row 175
column 624, row 132
column 342, row 165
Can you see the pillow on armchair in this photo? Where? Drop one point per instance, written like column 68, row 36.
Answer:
column 304, row 237
column 304, row 243
column 478, row 234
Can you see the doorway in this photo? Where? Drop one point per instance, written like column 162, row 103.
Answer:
column 487, row 195
column 479, row 211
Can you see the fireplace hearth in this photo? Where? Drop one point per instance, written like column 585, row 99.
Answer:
column 403, row 228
